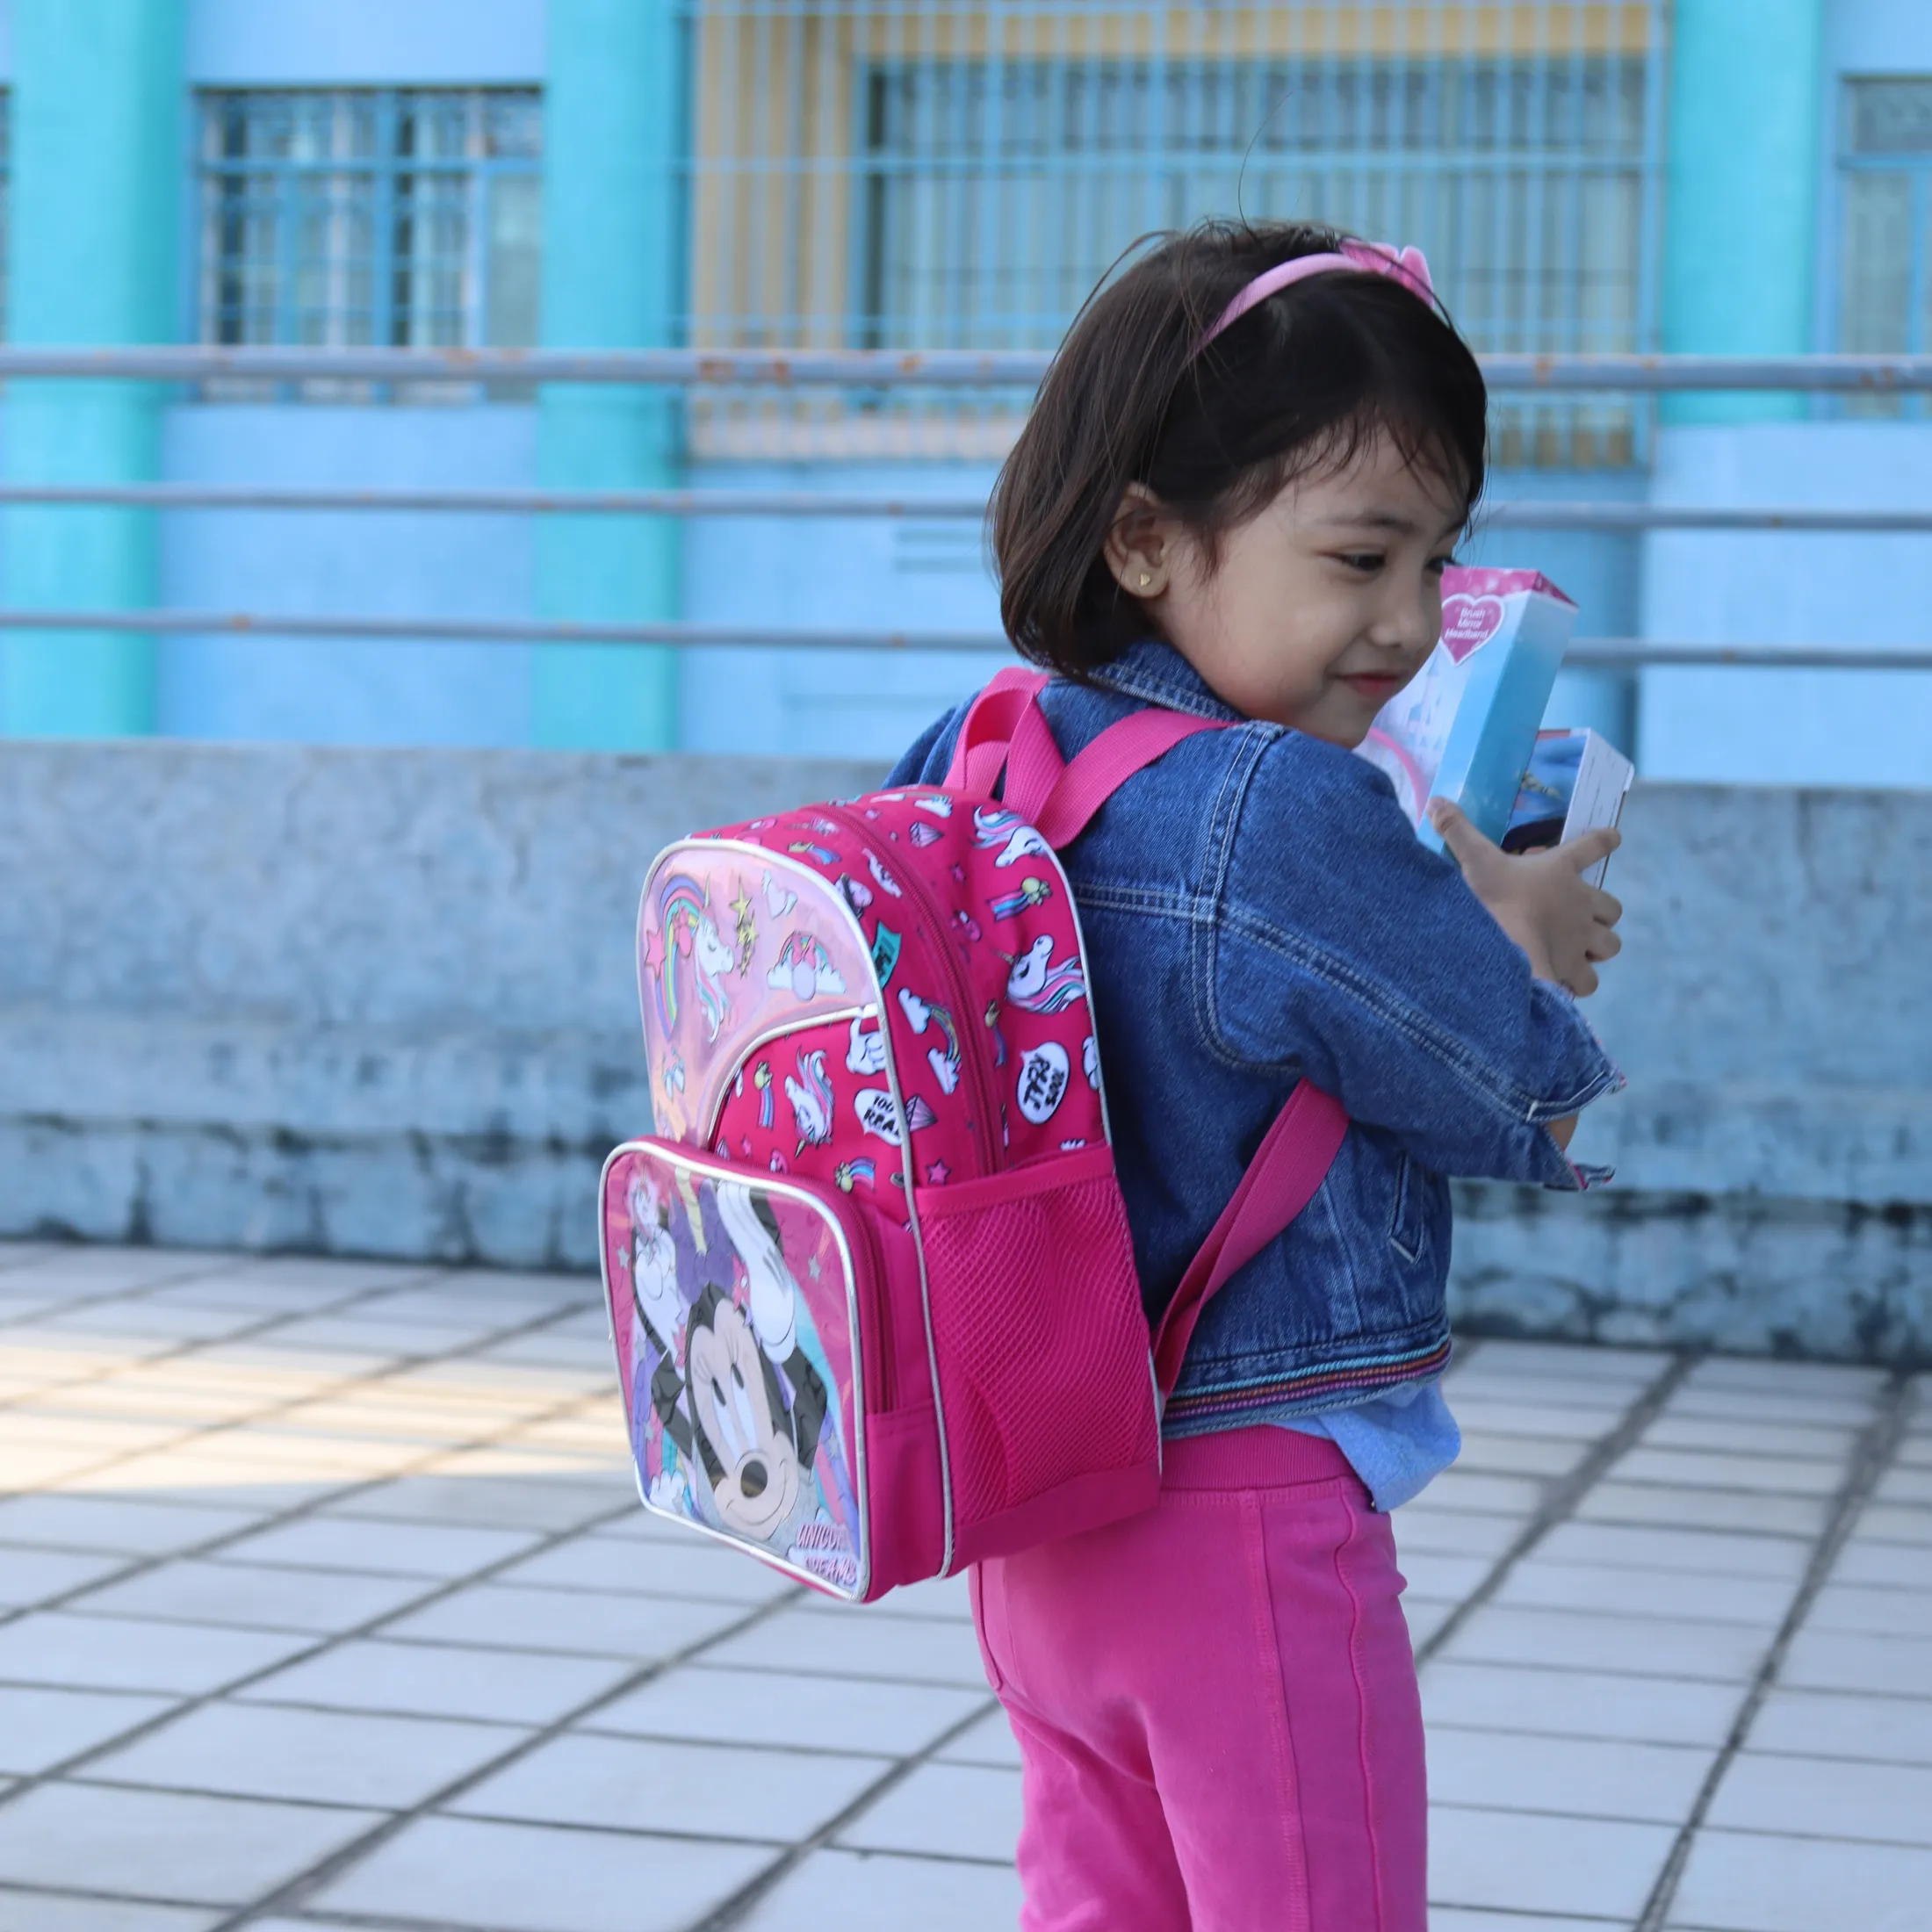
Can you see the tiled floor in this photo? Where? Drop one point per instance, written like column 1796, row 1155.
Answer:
column 324, row 1603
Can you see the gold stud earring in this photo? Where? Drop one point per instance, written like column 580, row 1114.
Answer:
column 1145, row 580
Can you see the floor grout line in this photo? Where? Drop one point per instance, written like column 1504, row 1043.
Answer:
column 251, row 1331
column 296, row 1512
column 392, row 1366
column 731, row 1912
column 294, row 1891
column 1870, row 1457
column 301, row 1898
column 1561, row 1497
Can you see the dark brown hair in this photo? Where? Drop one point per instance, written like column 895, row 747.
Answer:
column 1299, row 383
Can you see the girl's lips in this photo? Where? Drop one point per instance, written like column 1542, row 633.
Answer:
column 1379, row 686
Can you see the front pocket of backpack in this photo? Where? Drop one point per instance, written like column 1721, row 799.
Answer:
column 1039, row 1337
column 735, row 1305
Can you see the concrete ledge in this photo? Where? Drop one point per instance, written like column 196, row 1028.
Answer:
column 370, row 1002
column 1749, row 1274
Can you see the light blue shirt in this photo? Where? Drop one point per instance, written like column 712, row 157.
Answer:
column 1398, row 1442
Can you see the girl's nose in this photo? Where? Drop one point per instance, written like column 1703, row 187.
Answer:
column 1410, row 625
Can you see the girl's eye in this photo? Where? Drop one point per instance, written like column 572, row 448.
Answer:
column 1438, row 564
column 1366, row 561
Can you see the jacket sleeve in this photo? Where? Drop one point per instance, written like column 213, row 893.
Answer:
column 1347, row 952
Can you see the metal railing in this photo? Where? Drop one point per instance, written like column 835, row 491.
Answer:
column 1527, row 514
column 1584, row 653
column 862, row 371
column 892, row 368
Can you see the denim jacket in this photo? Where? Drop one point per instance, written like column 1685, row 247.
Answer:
column 1257, row 910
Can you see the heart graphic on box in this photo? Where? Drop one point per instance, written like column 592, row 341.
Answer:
column 1469, row 623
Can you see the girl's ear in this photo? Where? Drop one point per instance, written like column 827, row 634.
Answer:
column 1140, row 543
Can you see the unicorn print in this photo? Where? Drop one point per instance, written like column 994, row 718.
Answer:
column 811, row 1099
column 883, row 879
column 1008, row 829
column 1036, row 984
column 685, row 921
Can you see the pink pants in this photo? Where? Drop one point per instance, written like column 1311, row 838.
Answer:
column 1216, row 1704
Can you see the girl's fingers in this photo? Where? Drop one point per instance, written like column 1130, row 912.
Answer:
column 1466, row 846
column 1605, row 909
column 1592, row 849
column 1583, row 981
column 1606, row 944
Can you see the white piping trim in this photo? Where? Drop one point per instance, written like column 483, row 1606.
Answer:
column 818, row 880
column 672, row 1152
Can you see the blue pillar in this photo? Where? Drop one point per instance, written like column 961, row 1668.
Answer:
column 97, row 163
column 613, row 109
column 1741, row 200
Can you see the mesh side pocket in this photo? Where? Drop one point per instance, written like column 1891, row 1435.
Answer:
column 1041, row 1340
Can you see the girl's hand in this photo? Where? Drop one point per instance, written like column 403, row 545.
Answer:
column 1539, row 898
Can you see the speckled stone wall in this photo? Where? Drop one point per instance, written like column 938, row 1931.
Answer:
column 381, row 1002
column 350, row 1001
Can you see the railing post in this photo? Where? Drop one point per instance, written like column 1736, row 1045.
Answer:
column 99, row 162
column 1747, row 106
column 612, row 116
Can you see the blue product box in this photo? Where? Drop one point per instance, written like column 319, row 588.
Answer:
column 1466, row 727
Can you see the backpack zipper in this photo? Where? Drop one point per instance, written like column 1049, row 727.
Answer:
column 961, row 993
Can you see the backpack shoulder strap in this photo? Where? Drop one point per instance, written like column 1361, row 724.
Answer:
column 1289, row 1166
column 1006, row 728
column 1096, row 774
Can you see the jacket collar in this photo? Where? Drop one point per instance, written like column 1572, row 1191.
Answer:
column 1156, row 674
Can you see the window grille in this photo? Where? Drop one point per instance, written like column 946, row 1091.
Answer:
column 910, row 174
column 1886, row 226
column 386, row 218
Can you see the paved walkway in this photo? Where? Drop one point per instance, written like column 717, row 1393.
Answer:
column 324, row 1603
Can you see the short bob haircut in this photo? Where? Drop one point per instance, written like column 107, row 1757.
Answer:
column 1298, row 385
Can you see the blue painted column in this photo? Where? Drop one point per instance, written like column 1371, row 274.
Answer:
column 1740, row 196
column 612, row 114
column 98, row 97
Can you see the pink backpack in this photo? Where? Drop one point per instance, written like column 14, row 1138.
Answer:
column 870, row 1284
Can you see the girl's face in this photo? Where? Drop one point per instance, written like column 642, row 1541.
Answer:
column 1319, row 609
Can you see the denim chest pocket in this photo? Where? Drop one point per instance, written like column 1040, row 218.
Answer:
column 1408, row 1221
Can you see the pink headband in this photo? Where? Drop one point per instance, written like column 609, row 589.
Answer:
column 1404, row 265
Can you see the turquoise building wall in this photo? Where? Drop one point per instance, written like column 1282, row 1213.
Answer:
column 1752, row 268
column 106, row 176
column 1741, row 231
column 612, row 232
column 95, row 257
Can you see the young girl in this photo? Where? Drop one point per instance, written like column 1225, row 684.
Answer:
column 1234, row 497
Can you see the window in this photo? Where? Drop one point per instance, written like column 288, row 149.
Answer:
column 1886, row 226
column 910, row 174
column 995, row 197
column 385, row 219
